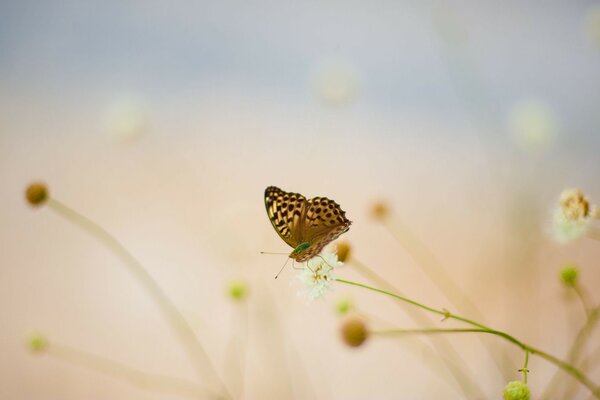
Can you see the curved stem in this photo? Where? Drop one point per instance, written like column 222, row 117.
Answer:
column 584, row 299
column 173, row 315
column 570, row 369
column 438, row 275
column 162, row 383
column 453, row 361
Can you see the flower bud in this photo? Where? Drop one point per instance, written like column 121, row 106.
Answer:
column 354, row 332
column 516, row 390
column 37, row 344
column 343, row 250
column 380, row 210
column 343, row 306
column 237, row 290
column 36, row 194
column 568, row 275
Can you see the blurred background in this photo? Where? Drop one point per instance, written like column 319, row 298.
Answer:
column 165, row 121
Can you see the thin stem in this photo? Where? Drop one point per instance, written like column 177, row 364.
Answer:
column 186, row 334
column 451, row 358
column 592, row 360
column 237, row 350
column 580, row 341
column 583, row 335
column 575, row 351
column 584, row 299
column 162, row 383
column 437, row 274
column 570, row 369
column 525, row 370
column 394, row 332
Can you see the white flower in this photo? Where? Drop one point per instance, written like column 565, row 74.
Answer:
column 317, row 275
column 532, row 124
column 126, row 118
column 336, row 83
column 592, row 24
column 565, row 229
column 573, row 216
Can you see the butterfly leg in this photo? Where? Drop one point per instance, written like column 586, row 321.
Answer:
column 294, row 265
column 325, row 261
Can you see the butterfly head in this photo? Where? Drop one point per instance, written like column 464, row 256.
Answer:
column 299, row 250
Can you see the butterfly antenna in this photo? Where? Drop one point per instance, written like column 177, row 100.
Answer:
column 278, row 254
column 286, row 261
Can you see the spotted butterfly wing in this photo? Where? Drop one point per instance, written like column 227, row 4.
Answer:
column 306, row 225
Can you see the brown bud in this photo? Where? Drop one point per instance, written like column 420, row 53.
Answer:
column 354, row 332
column 36, row 194
column 380, row 210
column 343, row 250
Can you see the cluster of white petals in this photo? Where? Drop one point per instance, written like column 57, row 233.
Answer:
column 573, row 216
column 317, row 277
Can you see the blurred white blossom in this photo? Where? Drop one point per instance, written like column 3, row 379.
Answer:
column 533, row 124
column 336, row 83
column 127, row 118
column 592, row 24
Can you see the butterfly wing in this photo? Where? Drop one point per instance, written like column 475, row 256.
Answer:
column 323, row 222
column 285, row 213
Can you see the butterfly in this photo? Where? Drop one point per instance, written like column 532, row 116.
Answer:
column 306, row 225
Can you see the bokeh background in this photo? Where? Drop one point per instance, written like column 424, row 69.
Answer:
column 165, row 121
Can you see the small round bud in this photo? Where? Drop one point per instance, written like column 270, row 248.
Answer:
column 37, row 344
column 516, row 390
column 343, row 306
column 343, row 251
column 568, row 275
column 380, row 210
column 237, row 290
column 354, row 332
column 36, row 194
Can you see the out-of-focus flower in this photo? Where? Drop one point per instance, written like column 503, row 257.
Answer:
column 592, row 24
column 126, row 118
column 36, row 194
column 532, row 124
column 573, row 216
column 343, row 250
column 354, row 332
column 37, row 344
column 516, row 390
column 380, row 209
column 568, row 275
column 343, row 306
column 336, row 83
column 317, row 275
column 237, row 290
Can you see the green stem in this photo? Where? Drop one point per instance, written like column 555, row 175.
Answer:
column 186, row 334
column 525, row 370
column 584, row 299
column 575, row 350
column 453, row 361
column 437, row 274
column 570, row 369
column 162, row 383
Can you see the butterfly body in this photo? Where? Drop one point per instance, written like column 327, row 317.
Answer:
column 307, row 225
